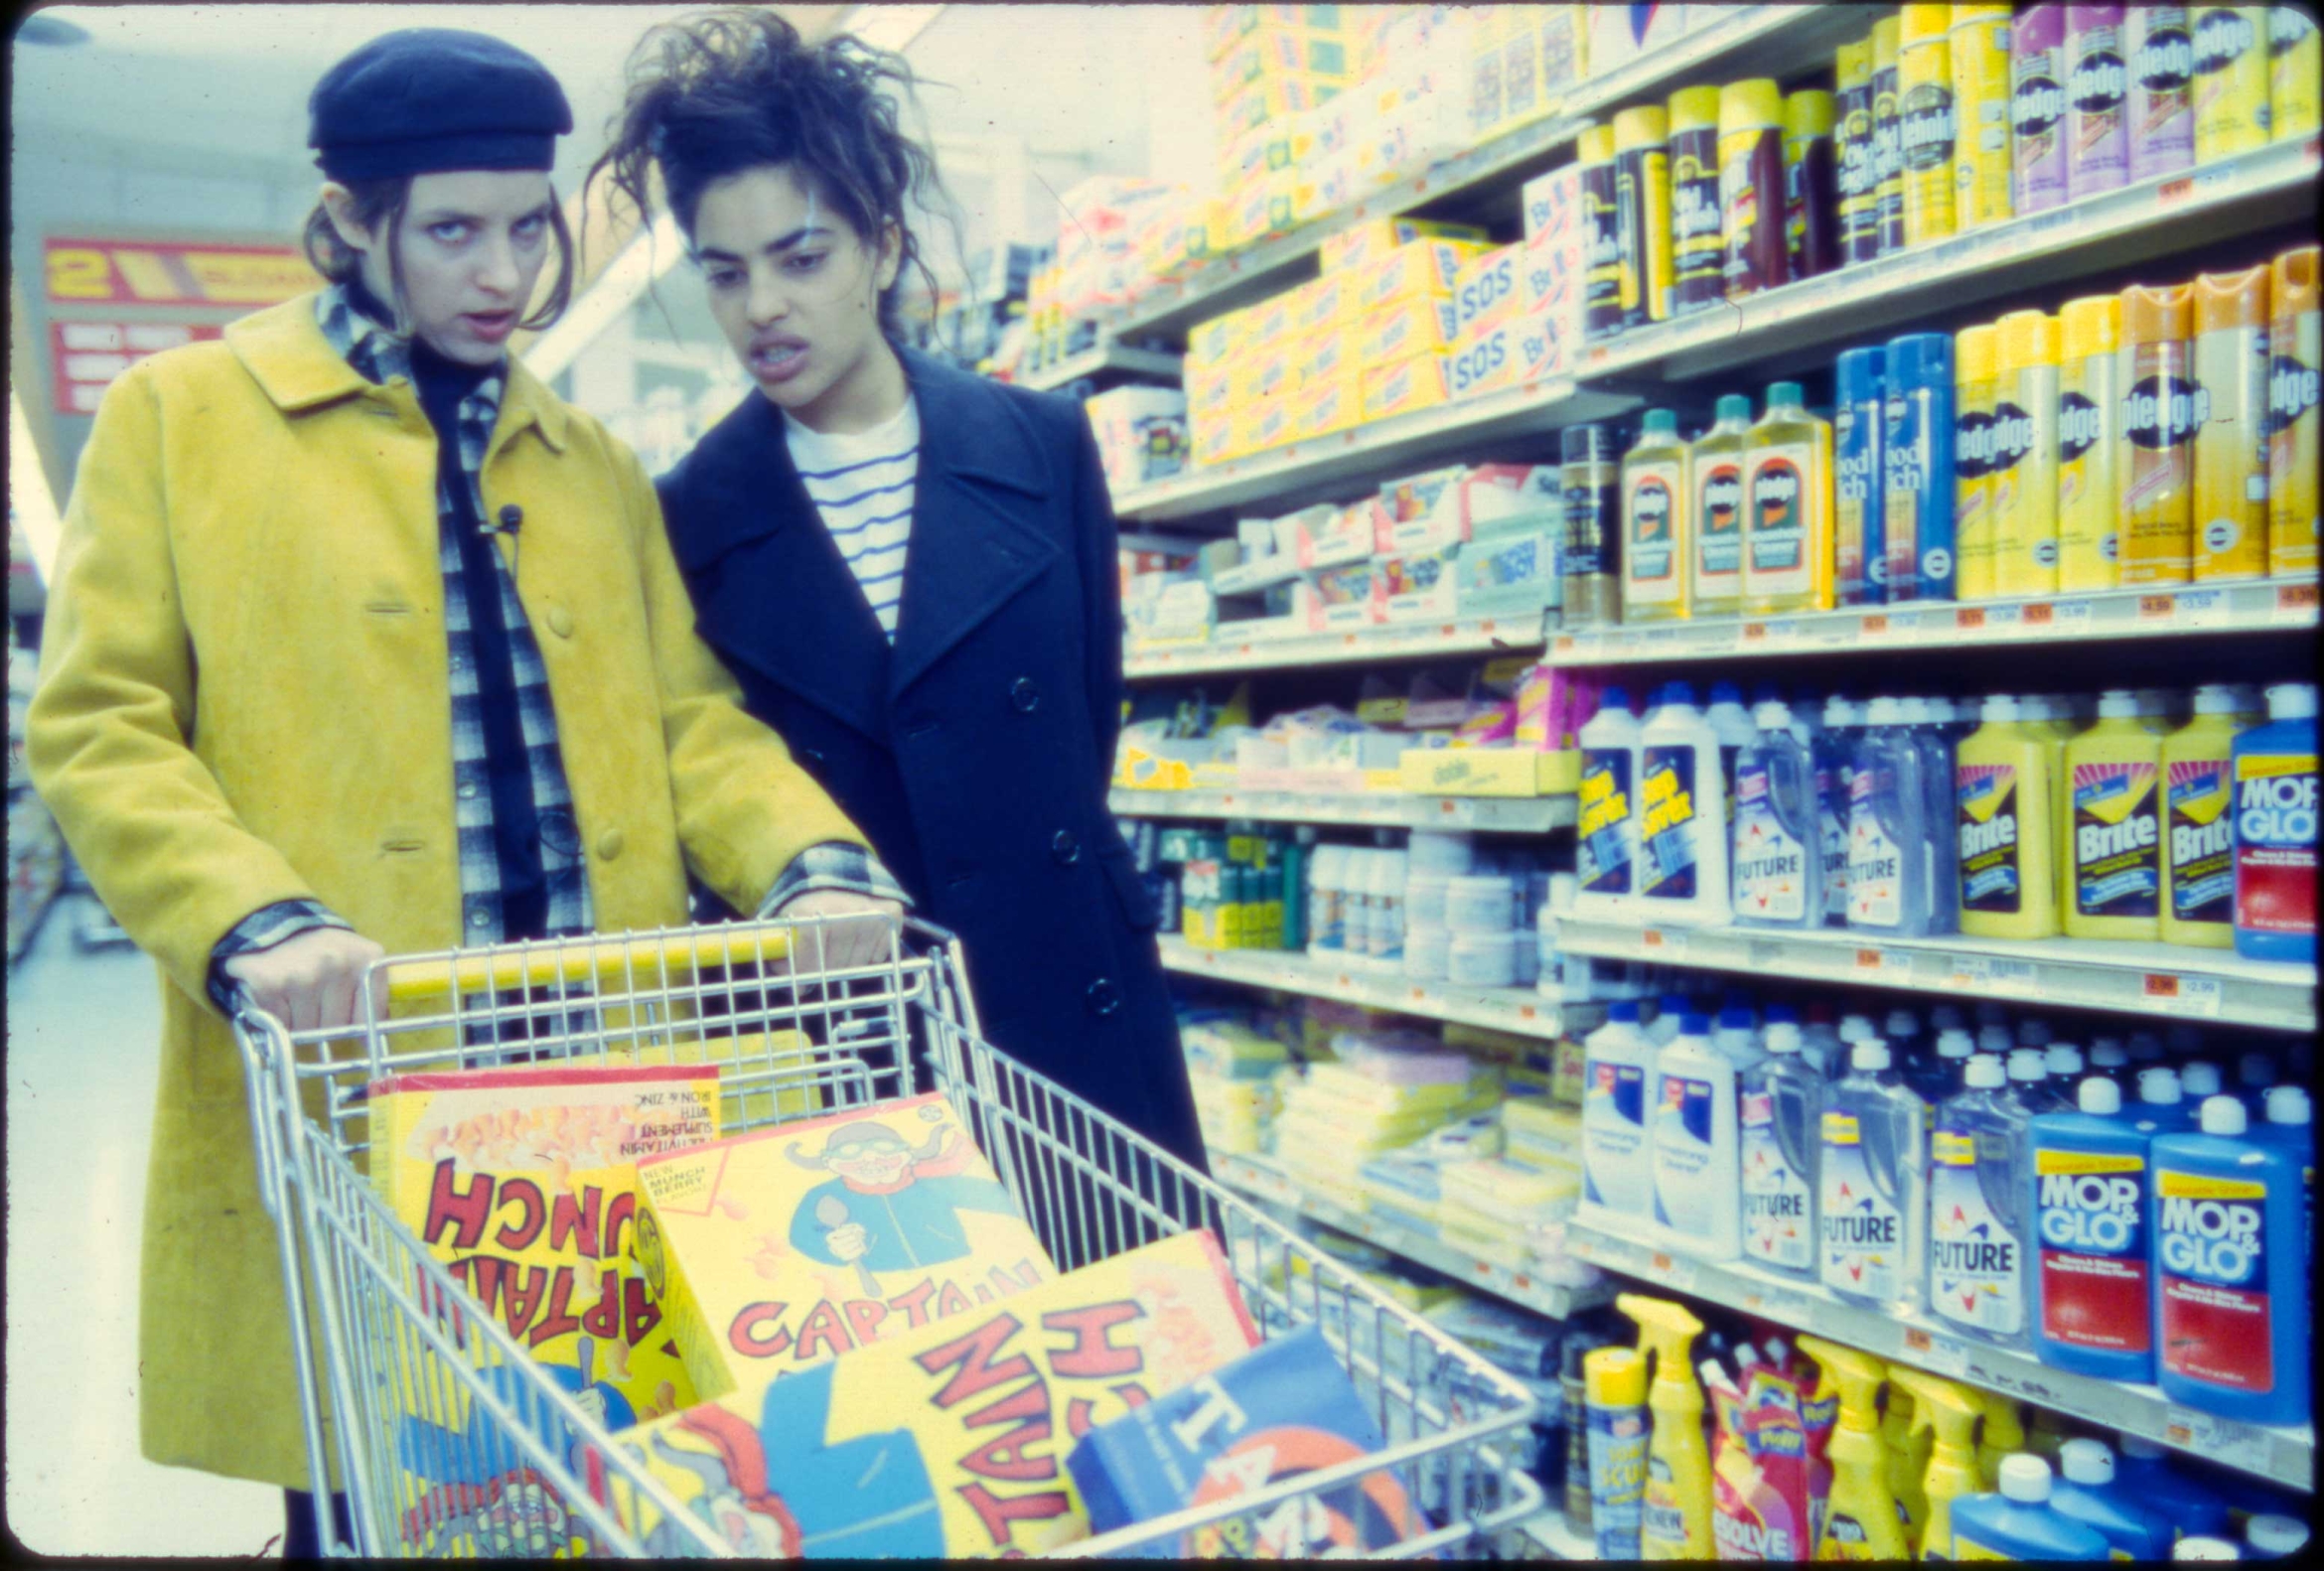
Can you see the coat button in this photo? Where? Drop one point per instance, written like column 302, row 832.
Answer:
column 560, row 622
column 1104, row 998
column 512, row 516
column 608, row 845
column 1024, row 696
column 1065, row 849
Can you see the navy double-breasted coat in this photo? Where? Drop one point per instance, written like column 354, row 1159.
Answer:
column 976, row 752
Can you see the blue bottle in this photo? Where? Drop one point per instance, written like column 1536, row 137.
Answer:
column 2149, row 1472
column 1859, row 420
column 1916, row 514
column 2022, row 1522
column 2291, row 1124
column 2092, row 1308
column 2231, row 1272
column 1778, row 853
column 2275, row 830
column 2087, row 1491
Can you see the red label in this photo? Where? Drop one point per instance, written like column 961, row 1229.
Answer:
column 2216, row 1335
column 2094, row 1301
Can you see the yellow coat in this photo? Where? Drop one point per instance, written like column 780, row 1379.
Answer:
column 245, row 699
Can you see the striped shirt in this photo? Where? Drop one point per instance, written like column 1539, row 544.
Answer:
column 862, row 483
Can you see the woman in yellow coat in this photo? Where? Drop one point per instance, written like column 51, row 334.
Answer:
column 284, row 733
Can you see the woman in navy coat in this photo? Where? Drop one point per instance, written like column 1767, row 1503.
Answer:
column 910, row 570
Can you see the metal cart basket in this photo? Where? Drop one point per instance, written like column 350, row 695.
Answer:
column 519, row 1466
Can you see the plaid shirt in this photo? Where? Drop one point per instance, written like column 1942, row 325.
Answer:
column 379, row 355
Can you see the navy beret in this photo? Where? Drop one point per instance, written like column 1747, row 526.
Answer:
column 430, row 99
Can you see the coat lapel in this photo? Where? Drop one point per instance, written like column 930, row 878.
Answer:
column 771, row 588
column 971, row 548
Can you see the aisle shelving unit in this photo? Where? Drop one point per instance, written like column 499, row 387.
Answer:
column 1223, row 653
column 1374, row 810
column 2167, row 981
column 1268, row 1180
column 2258, row 606
column 2285, row 1456
column 1520, row 1011
column 1108, row 358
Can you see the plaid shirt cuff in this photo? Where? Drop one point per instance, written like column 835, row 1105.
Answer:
column 263, row 928
column 832, row 865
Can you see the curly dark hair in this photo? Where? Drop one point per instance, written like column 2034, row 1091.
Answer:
column 721, row 92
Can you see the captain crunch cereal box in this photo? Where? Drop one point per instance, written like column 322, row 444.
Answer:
column 784, row 1248
column 948, row 1440
column 522, row 1180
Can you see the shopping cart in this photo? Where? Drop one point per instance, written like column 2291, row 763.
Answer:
column 517, row 1464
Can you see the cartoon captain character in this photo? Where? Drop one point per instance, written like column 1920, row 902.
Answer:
column 890, row 1206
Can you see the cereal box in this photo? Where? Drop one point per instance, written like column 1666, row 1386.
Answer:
column 1486, row 292
column 522, row 1182
column 948, row 1440
column 784, row 1248
column 1422, row 325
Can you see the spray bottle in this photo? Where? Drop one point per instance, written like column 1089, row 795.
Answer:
column 1927, row 130
column 1899, row 1435
column 2003, row 1435
column 2295, row 73
column 1697, row 250
column 1861, row 1520
column 1859, row 193
column 1676, row 1524
column 1996, row 131
column 1887, row 137
column 1943, row 1412
column 2097, row 80
column 1751, row 186
column 1641, row 213
column 2230, row 81
column 1811, row 184
column 2161, row 108
column 2036, row 54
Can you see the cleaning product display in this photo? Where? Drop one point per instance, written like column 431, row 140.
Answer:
column 1923, row 401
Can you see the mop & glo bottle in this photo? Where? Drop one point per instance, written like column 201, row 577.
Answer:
column 2093, row 1210
column 2232, row 1271
column 2275, row 830
column 2019, row 1522
column 1676, row 1522
column 1945, row 1413
column 2086, row 1493
column 1860, row 1519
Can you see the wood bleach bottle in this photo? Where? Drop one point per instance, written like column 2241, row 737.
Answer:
column 1787, row 509
column 1657, row 532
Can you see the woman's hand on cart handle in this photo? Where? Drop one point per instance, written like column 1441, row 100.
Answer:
column 857, row 930
column 311, row 981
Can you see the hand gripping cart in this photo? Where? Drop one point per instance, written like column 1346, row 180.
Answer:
column 519, row 1466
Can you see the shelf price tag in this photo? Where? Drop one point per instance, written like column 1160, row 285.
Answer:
column 1674, row 1269
column 1776, row 1303
column 2071, row 618
column 1942, row 1354
column 2202, row 607
column 1972, row 971
column 1970, row 618
column 1661, row 944
column 2181, row 995
column 2005, row 618
column 2226, row 1440
column 1456, row 809
column 2040, row 617
column 2158, row 608
column 2296, row 603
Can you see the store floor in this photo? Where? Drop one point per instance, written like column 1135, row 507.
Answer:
column 84, row 1035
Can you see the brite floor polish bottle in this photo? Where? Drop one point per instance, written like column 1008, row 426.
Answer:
column 2002, row 806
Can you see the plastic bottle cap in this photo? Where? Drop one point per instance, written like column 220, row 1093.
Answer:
column 1754, row 103
column 1972, row 354
column 2026, row 1065
column 2200, row 1548
column 1884, row 712
column 2100, row 1096
column 1839, row 712
column 1732, row 1019
column 1873, row 1054
column 1695, row 109
column 2117, row 704
column 1614, row 1377
column 2033, row 1032
column 1782, row 1012
column 2198, row 1078
column 2023, row 340
column 1782, row 1037
column 1784, row 395
column 2001, row 709
column 1699, row 1026
column 2161, row 1086
column 1902, row 1023
column 1624, row 1009
column 2107, row 1053
column 2089, row 325
column 2255, row 1070
column 2289, row 1105
column 1854, row 1028
column 2063, row 1058
column 2215, row 700
column 1658, row 422
column 2291, row 701
column 1677, row 694
column 2224, row 1115
column 2025, row 1478
column 1993, row 1039
column 1645, row 126
column 1772, row 715
column 1595, row 145
column 1808, row 113
column 2275, row 1535
column 1984, row 1072
column 2085, row 1462
column 1955, row 1045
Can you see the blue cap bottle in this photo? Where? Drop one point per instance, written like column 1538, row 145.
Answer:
column 1917, row 468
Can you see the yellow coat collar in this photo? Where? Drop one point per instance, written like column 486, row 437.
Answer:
column 286, row 353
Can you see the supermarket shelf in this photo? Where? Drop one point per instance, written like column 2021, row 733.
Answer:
column 1746, row 41
column 2269, row 186
column 1264, row 1179
column 1519, row 1010
column 2260, row 605
column 1344, row 460
column 2285, row 1455
column 1547, row 1532
column 1416, row 641
column 1503, row 814
column 2068, row 973
column 1107, row 357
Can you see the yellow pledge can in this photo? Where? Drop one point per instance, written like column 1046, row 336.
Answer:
column 2295, row 346
column 2089, row 543
column 2154, row 481
column 2025, row 454
column 1926, row 125
column 2295, row 73
column 1982, row 91
column 2230, row 80
column 1972, row 463
column 2231, row 438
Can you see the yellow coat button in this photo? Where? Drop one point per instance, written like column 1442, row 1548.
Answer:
column 560, row 622
column 608, row 845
